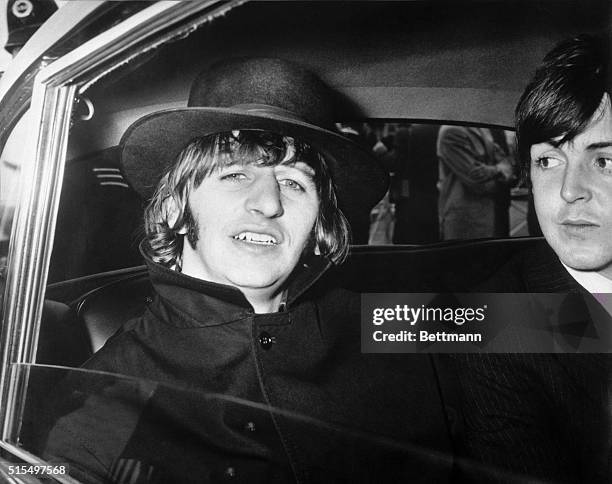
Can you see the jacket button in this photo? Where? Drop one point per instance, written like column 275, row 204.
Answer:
column 249, row 427
column 148, row 299
column 265, row 340
column 229, row 473
column 452, row 416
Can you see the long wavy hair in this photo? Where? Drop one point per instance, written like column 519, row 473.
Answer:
column 168, row 219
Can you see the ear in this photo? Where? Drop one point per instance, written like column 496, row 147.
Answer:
column 173, row 214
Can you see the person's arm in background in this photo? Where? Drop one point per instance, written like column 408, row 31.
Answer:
column 455, row 150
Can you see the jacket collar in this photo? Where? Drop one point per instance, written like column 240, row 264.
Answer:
column 545, row 273
column 186, row 296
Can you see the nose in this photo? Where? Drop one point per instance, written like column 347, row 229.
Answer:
column 576, row 185
column 264, row 196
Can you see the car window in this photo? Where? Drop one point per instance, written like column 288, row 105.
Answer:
column 10, row 169
column 99, row 220
column 440, row 188
column 153, row 432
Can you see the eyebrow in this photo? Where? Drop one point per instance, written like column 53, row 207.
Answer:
column 303, row 167
column 599, row 145
column 593, row 146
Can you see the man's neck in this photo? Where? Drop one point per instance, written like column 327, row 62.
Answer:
column 262, row 302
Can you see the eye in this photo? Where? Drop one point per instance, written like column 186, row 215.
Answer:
column 546, row 162
column 291, row 184
column 604, row 164
column 233, row 177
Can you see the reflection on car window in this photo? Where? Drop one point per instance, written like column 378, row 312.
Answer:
column 111, row 428
column 10, row 168
column 447, row 183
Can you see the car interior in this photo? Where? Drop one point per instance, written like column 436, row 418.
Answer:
column 390, row 63
column 393, row 65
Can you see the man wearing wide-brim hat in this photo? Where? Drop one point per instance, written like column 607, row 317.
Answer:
column 251, row 193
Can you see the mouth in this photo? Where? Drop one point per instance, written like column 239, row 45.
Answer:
column 256, row 238
column 578, row 227
column 578, row 223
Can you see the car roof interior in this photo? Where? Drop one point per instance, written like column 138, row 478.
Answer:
column 461, row 61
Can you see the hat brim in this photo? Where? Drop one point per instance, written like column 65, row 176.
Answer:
column 150, row 146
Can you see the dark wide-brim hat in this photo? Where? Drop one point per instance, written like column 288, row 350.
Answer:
column 256, row 94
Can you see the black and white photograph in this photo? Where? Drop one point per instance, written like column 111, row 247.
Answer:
column 291, row 241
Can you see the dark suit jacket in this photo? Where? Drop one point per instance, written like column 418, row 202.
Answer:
column 542, row 416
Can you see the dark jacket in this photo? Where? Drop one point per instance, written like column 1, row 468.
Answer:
column 537, row 416
column 277, row 397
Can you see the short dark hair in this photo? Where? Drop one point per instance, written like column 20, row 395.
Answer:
column 564, row 93
column 202, row 156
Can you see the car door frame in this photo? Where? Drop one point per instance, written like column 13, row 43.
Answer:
column 54, row 91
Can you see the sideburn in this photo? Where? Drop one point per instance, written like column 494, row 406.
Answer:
column 193, row 229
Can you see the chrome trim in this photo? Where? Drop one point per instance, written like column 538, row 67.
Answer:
column 48, row 34
column 54, row 91
column 32, row 459
column 32, row 239
column 92, row 58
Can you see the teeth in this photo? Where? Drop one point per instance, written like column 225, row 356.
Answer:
column 255, row 238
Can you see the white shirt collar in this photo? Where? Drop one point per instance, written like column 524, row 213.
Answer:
column 596, row 284
column 592, row 281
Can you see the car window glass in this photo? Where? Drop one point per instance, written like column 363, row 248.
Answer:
column 447, row 183
column 132, row 418
column 10, row 169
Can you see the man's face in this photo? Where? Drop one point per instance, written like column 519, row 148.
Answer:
column 253, row 223
column 572, row 188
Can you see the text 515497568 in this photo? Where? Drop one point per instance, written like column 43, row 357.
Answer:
column 38, row 470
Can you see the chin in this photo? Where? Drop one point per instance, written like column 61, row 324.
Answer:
column 255, row 280
column 586, row 261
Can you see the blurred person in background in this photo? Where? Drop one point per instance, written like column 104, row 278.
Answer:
column 475, row 176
